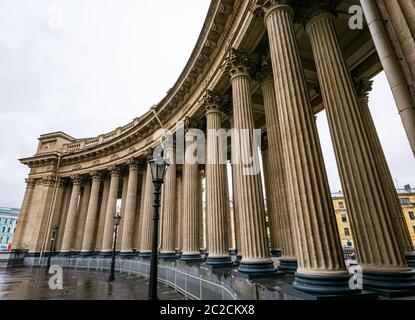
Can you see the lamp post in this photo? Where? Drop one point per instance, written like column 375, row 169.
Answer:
column 158, row 167
column 117, row 220
column 52, row 245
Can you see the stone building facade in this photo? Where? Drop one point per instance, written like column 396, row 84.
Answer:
column 269, row 65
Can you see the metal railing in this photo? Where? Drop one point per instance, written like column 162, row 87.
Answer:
column 192, row 286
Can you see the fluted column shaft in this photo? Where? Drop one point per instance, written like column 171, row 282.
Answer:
column 91, row 219
column 102, row 211
column 398, row 218
column 319, row 248
column 147, row 222
column 273, row 219
column 70, row 230
column 217, row 199
column 110, row 212
column 130, row 210
column 376, row 242
column 179, row 213
column 167, row 248
column 82, row 215
column 191, row 212
column 278, row 183
column 21, row 222
column 251, row 209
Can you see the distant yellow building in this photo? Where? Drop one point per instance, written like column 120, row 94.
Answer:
column 407, row 198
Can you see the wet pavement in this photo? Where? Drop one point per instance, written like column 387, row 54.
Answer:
column 33, row 284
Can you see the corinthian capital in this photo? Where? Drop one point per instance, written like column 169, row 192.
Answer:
column 363, row 88
column 213, row 102
column 76, row 179
column 96, row 175
column 261, row 8
column 31, row 183
column 264, row 72
column 237, row 63
column 307, row 10
column 114, row 170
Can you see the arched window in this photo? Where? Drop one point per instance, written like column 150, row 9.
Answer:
column 9, row 230
column 3, row 229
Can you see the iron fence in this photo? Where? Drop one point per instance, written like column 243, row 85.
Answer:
column 192, row 286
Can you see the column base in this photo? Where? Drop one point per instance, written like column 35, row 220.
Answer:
column 334, row 285
column 253, row 271
column 144, row 254
column 297, row 294
column 126, row 255
column 86, row 254
column 288, row 265
column 191, row 258
column 233, row 252
column 168, row 255
column 65, row 254
column 276, row 253
column 390, row 284
column 105, row 254
column 219, row 262
column 410, row 260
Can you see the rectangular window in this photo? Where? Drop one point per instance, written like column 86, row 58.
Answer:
column 411, row 215
column 405, row 201
column 341, row 205
column 346, row 232
column 414, row 228
column 344, row 218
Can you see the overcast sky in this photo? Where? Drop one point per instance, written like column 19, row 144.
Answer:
column 86, row 67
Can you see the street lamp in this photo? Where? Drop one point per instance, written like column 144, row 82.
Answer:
column 117, row 220
column 52, row 245
column 158, row 167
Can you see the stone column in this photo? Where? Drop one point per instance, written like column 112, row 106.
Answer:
column 82, row 216
column 277, row 182
column 139, row 220
column 110, row 212
column 70, row 231
column 24, row 211
column 393, row 70
column 147, row 217
column 102, row 211
column 179, row 212
column 379, row 252
column 63, row 216
column 398, row 218
column 202, row 215
column 124, row 192
column 130, row 211
column 235, row 202
column 273, row 219
column 256, row 259
column 191, row 212
column 217, row 200
column 91, row 219
column 167, row 248
column 321, row 267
